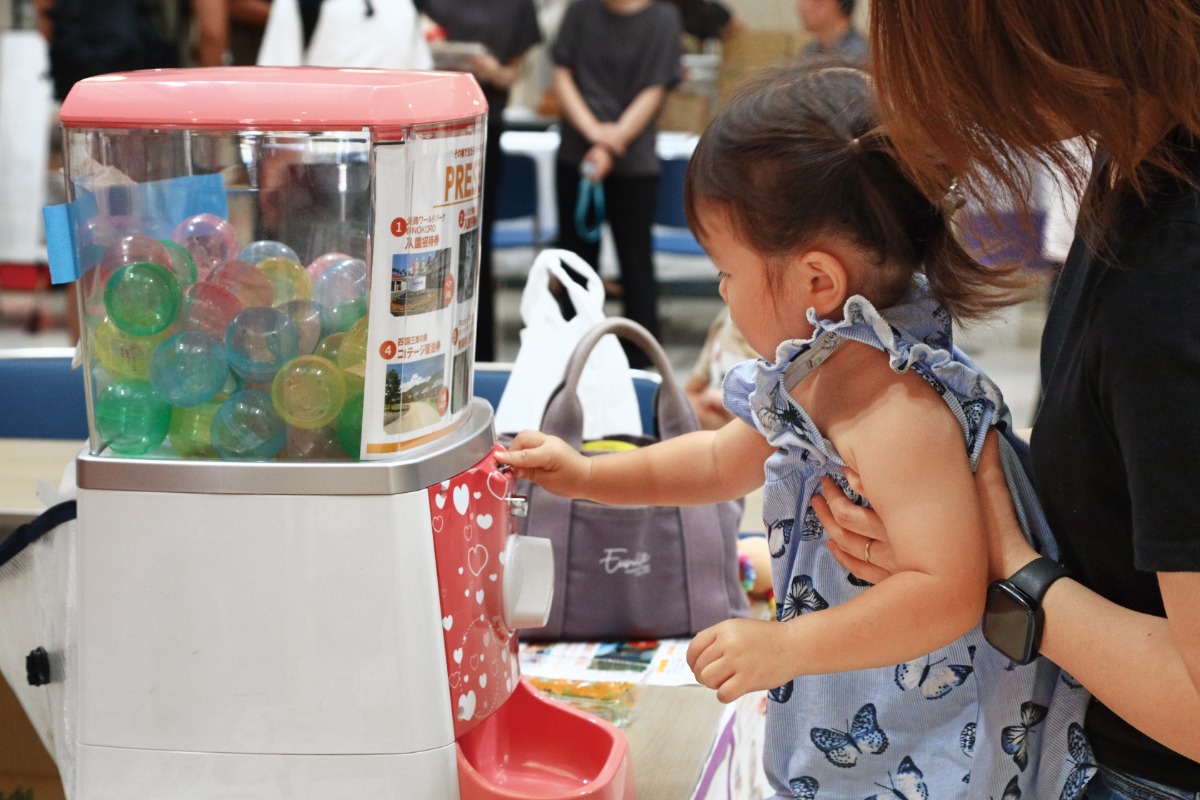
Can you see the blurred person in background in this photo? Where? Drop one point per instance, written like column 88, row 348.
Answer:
column 831, row 24
column 507, row 29
column 247, row 21
column 614, row 61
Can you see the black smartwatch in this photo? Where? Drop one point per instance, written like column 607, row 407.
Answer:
column 1012, row 618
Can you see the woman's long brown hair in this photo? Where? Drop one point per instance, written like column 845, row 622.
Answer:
column 974, row 88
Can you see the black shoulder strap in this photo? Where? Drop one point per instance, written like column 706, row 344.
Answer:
column 33, row 530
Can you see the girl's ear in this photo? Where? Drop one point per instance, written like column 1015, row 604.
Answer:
column 825, row 278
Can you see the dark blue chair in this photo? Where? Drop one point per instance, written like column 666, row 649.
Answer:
column 41, row 396
column 517, row 199
column 492, row 377
column 671, row 233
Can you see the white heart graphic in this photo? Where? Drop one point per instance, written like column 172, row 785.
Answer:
column 477, row 559
column 462, row 498
column 466, row 593
column 458, row 656
column 492, row 577
column 439, row 500
column 475, row 659
column 503, row 557
column 479, row 596
column 484, row 520
column 448, row 621
column 466, row 678
column 497, row 485
column 438, row 523
column 466, row 706
column 445, row 485
column 468, row 531
column 478, row 495
column 460, row 570
column 483, row 681
column 455, row 677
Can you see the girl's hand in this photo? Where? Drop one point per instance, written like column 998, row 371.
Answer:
column 855, row 532
column 549, row 462
column 739, row 656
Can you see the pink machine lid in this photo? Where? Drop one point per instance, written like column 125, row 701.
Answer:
column 271, row 98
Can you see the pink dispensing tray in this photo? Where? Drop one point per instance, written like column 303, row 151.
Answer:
column 271, row 98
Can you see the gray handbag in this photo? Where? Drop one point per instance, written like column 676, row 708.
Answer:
column 633, row 572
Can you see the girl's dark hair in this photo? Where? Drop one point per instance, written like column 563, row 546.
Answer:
column 979, row 88
column 797, row 156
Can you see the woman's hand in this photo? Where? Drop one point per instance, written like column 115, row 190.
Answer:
column 549, row 462
column 601, row 160
column 855, row 532
column 1008, row 549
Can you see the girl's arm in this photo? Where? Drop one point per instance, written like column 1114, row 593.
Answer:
column 697, row 468
column 908, row 451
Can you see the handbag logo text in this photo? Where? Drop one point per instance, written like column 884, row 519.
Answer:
column 616, row 560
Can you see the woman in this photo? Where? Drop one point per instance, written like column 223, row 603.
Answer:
column 1113, row 455
column 614, row 62
column 507, row 29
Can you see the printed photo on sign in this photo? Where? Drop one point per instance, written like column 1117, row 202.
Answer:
column 420, row 282
column 414, row 395
column 468, row 264
column 460, row 380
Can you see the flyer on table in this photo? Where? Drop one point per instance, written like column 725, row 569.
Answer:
column 424, row 277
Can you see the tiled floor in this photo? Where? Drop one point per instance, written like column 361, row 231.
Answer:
column 1006, row 348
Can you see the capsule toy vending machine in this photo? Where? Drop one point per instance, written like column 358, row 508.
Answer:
column 298, row 574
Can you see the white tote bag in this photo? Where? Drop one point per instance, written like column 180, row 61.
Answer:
column 349, row 33
column 547, row 340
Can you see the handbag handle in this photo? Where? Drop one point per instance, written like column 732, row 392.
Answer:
column 673, row 414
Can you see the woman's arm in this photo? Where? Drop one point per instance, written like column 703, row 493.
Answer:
column 212, row 31
column 250, row 12
column 492, row 71
column 636, row 117
column 1146, row 669
column 573, row 106
column 697, row 468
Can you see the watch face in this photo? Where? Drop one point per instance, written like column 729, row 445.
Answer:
column 1009, row 623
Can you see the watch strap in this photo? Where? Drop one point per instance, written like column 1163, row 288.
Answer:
column 1035, row 578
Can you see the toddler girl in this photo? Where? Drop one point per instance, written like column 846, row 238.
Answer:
column 845, row 279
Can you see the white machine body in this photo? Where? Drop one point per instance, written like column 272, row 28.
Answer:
column 265, row 645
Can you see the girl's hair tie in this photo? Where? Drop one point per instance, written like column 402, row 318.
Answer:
column 856, row 147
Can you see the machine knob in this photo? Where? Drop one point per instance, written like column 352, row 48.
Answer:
column 528, row 581
column 518, row 506
column 37, row 667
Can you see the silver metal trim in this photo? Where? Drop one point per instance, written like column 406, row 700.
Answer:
column 415, row 469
